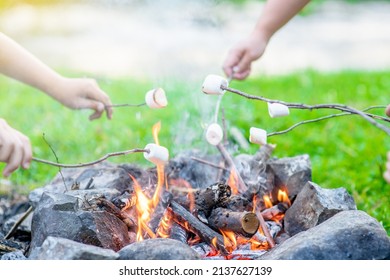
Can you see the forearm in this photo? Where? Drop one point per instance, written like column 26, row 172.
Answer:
column 277, row 13
column 19, row 64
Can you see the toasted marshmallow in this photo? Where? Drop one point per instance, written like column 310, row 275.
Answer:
column 158, row 155
column 278, row 110
column 257, row 136
column 214, row 134
column 212, row 85
column 156, row 98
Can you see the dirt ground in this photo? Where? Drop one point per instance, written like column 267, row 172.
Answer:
column 158, row 39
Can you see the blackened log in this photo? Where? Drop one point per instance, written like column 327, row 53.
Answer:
column 236, row 203
column 274, row 211
column 159, row 211
column 178, row 233
column 109, row 207
column 207, row 199
column 203, row 231
column 243, row 223
column 266, row 232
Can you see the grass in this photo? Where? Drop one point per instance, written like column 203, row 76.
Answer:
column 345, row 152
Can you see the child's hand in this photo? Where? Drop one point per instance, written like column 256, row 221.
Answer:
column 238, row 60
column 82, row 93
column 15, row 149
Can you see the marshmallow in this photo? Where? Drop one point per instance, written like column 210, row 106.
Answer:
column 158, row 155
column 278, row 110
column 156, row 98
column 212, row 85
column 258, row 136
column 214, row 134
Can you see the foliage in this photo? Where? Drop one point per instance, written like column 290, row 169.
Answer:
column 345, row 152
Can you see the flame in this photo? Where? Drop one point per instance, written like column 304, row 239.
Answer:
column 164, row 227
column 283, row 197
column 144, row 210
column 156, row 130
column 229, row 240
column 184, row 186
column 232, row 181
column 267, row 201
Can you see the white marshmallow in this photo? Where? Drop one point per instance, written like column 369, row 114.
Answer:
column 156, row 98
column 214, row 134
column 278, row 110
column 158, row 155
column 212, row 85
column 258, row 136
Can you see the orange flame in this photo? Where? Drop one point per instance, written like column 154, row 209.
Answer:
column 229, row 240
column 283, row 197
column 163, row 229
column 156, row 130
column 267, row 201
column 144, row 210
column 232, row 181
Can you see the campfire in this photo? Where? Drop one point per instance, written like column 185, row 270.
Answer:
column 194, row 206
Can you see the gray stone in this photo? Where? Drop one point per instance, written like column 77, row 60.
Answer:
column 315, row 205
column 158, row 249
column 12, row 256
column 290, row 172
column 56, row 248
column 109, row 180
column 60, row 215
column 348, row 235
column 25, row 226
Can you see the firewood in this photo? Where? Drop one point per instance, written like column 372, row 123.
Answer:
column 178, row 233
column 112, row 209
column 244, row 223
column 203, row 231
column 207, row 199
column 236, row 203
column 274, row 211
column 159, row 211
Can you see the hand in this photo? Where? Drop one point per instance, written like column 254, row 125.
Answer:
column 82, row 93
column 15, row 149
column 238, row 61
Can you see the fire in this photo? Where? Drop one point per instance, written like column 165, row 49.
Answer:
column 156, row 130
column 232, row 181
column 164, row 226
column 283, row 197
column 267, row 201
column 183, row 186
column 229, row 240
column 160, row 168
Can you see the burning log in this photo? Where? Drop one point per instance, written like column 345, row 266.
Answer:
column 243, row 223
column 203, row 231
column 159, row 211
column 274, row 211
column 112, row 209
column 236, row 203
column 178, row 233
column 274, row 228
column 209, row 198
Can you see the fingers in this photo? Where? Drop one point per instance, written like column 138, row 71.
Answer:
column 15, row 149
column 97, row 100
column 387, row 111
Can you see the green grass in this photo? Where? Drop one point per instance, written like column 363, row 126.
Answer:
column 345, row 152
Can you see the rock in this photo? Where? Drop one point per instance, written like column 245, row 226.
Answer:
column 348, row 235
column 315, row 205
column 56, row 248
column 23, row 229
column 158, row 249
column 60, row 215
column 291, row 172
column 17, row 255
column 109, row 180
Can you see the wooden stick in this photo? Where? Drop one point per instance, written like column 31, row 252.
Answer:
column 122, row 153
column 241, row 185
column 18, row 222
column 243, row 223
column 202, row 230
column 272, row 212
column 111, row 208
column 209, row 163
column 266, row 232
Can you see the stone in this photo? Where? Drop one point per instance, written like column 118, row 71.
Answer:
column 348, row 235
column 158, row 249
column 60, row 215
column 291, row 173
column 13, row 256
column 57, row 248
column 315, row 205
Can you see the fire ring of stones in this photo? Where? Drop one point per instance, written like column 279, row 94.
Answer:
column 264, row 208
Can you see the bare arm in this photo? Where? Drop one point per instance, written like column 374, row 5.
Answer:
column 276, row 13
column 18, row 63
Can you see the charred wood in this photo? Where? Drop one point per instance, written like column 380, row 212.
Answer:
column 208, row 235
column 207, row 199
column 274, row 211
column 112, row 209
column 178, row 233
column 243, row 223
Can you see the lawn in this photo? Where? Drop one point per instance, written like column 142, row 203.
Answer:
column 345, row 152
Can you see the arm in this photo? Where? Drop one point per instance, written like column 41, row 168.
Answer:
column 276, row 13
column 19, row 64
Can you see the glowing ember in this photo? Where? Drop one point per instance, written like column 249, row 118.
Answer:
column 229, row 240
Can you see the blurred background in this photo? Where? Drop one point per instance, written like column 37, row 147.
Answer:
column 332, row 52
